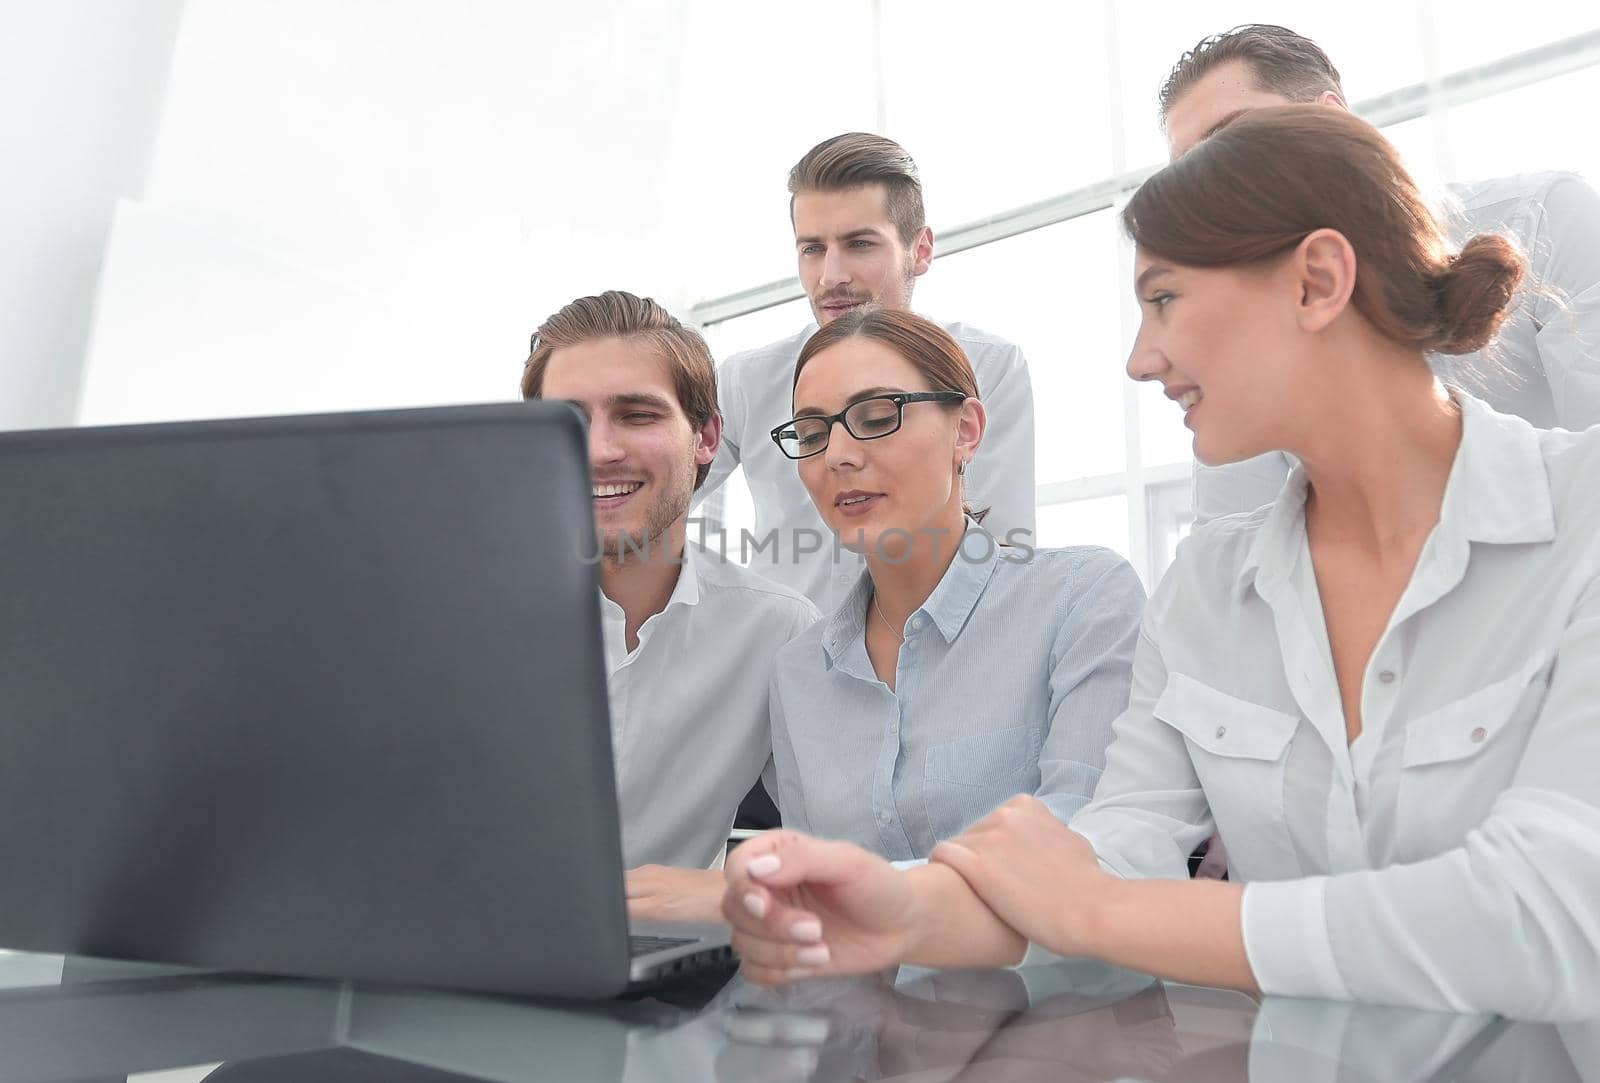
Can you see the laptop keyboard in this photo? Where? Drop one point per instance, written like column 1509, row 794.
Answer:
column 644, row 945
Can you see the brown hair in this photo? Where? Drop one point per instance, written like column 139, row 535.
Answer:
column 927, row 346
column 1282, row 61
column 1272, row 176
column 855, row 159
column 616, row 314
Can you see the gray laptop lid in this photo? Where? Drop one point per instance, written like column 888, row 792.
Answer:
column 313, row 695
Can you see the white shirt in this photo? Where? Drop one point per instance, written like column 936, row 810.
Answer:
column 1545, row 363
column 755, row 391
column 1450, row 857
column 689, row 729
column 1007, row 682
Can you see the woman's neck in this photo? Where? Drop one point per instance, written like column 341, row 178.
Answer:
column 902, row 586
column 1378, row 455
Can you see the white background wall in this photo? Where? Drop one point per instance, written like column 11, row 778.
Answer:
column 81, row 85
column 363, row 203
column 324, row 204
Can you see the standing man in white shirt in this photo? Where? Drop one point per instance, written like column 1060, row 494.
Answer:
column 1545, row 365
column 689, row 636
column 861, row 237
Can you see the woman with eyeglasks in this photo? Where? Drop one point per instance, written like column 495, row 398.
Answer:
column 959, row 671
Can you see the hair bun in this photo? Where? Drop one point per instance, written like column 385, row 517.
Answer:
column 1475, row 293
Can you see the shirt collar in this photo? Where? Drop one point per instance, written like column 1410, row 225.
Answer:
column 848, row 623
column 1277, row 540
column 1505, row 489
column 685, row 592
column 1498, row 492
column 949, row 606
column 953, row 600
column 687, row 589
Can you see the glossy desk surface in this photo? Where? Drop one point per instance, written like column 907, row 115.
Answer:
column 82, row 1019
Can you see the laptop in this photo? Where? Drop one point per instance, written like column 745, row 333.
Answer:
column 317, row 695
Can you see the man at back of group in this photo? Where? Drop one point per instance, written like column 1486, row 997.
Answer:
column 689, row 636
column 1545, row 365
column 861, row 237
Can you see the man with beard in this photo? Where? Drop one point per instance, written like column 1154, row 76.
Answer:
column 689, row 636
column 861, row 237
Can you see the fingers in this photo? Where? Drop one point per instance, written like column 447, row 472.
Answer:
column 784, row 956
column 770, row 977
column 1011, row 822
column 956, row 854
column 782, row 859
column 776, row 942
column 761, row 913
column 970, row 863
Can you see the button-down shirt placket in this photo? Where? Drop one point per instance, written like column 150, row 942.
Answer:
column 1006, row 682
column 672, row 707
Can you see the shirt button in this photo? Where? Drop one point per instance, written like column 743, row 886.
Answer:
column 1222, row 731
column 1478, row 735
column 1386, row 676
column 884, row 818
column 916, row 622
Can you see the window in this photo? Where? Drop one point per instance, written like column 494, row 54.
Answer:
column 998, row 118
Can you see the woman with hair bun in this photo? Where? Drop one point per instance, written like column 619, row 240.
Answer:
column 1384, row 689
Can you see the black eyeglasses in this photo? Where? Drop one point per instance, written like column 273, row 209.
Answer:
column 868, row 419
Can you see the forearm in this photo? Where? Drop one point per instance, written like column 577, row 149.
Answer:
column 954, row 928
column 1181, row 930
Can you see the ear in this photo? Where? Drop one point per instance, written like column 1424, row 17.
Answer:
column 922, row 251
column 1325, row 268
column 1331, row 97
column 708, row 439
column 970, row 425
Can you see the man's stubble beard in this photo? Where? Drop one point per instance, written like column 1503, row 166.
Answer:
column 620, row 548
column 908, row 283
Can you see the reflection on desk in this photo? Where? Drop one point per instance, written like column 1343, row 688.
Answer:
column 1074, row 1021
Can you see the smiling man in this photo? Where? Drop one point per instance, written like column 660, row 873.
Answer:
column 689, row 636
column 860, row 236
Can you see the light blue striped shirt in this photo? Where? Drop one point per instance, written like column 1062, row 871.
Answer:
column 1008, row 682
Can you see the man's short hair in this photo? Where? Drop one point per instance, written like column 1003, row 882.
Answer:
column 616, row 314
column 859, row 158
column 1282, row 61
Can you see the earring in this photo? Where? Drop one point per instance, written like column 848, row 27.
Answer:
column 961, row 469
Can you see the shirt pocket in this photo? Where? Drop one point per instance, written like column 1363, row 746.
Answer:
column 1240, row 753
column 968, row 777
column 1459, row 757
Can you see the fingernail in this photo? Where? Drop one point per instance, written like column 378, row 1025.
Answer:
column 798, row 973
column 806, row 930
column 756, row 905
column 816, row 955
column 765, row 865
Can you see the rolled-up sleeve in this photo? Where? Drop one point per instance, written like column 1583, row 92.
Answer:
column 1285, row 925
